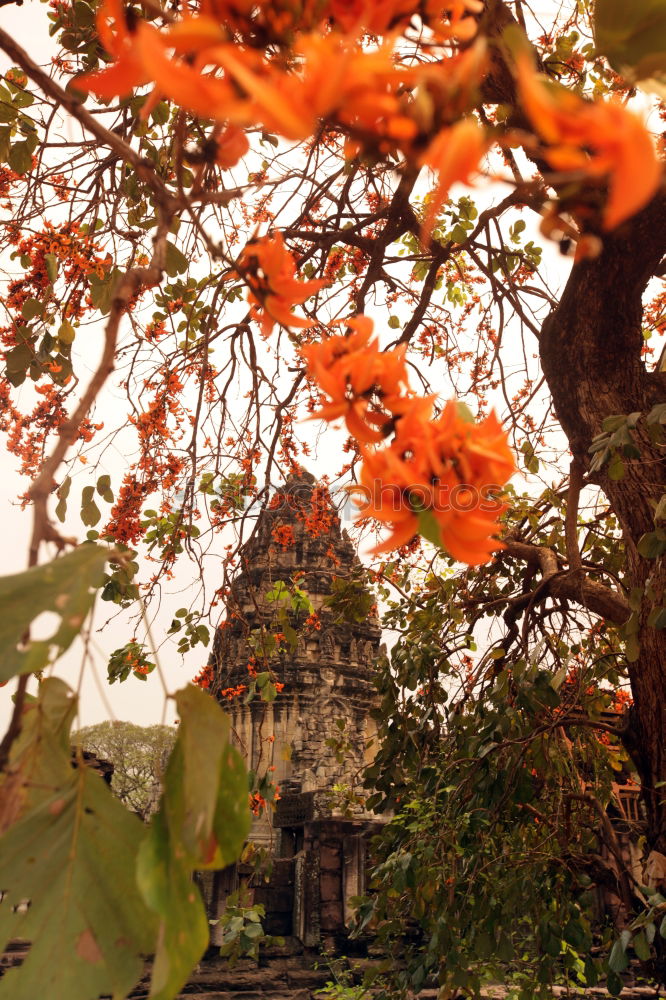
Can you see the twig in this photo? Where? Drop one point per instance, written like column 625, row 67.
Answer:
column 571, row 519
column 128, row 286
column 73, row 105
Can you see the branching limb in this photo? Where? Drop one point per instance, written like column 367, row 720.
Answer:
column 72, row 104
column 43, row 530
column 566, row 584
column 131, row 283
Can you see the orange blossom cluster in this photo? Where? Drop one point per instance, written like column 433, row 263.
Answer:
column 312, row 65
column 600, row 139
column 446, row 469
column 379, row 104
column 270, row 272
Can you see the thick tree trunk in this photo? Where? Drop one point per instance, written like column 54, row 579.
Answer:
column 591, row 354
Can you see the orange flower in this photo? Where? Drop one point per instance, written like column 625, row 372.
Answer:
column 269, row 270
column 372, row 15
column 127, row 72
column 440, row 478
column 335, row 77
column 142, row 56
column 621, row 147
column 457, row 23
column 330, row 76
column 364, row 385
column 232, row 145
column 377, row 16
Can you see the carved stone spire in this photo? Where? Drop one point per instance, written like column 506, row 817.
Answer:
column 327, row 673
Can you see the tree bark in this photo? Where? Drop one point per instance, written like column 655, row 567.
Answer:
column 590, row 350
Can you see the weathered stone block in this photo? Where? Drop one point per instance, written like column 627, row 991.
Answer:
column 330, row 856
column 330, row 887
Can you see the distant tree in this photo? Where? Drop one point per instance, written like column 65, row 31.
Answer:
column 139, row 755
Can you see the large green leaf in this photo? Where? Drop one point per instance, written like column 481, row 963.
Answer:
column 203, row 821
column 165, row 880
column 67, row 871
column 40, row 758
column 65, row 586
column 632, row 36
column 216, row 818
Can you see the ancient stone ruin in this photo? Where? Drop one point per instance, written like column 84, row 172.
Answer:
column 318, row 833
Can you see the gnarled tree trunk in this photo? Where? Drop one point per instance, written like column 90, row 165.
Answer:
column 591, row 354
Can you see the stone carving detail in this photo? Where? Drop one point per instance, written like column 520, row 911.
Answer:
column 368, row 652
column 327, row 646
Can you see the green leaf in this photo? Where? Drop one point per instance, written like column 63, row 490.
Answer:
column 574, row 934
column 8, row 112
column 176, row 261
column 36, row 757
column 651, row 546
column 102, row 290
column 76, row 843
column 657, row 618
column 394, row 322
column 62, row 493
column 166, row 884
column 641, row 947
column 51, row 262
column 19, row 358
column 20, row 157
column 32, row 308
column 269, row 692
column 203, row 821
column 618, row 961
column 291, row 635
column 211, row 769
column 66, row 332
column 429, row 527
column 103, row 485
column 65, row 586
column 632, row 648
column 632, row 36
column 614, row 984
column 278, row 592
column 616, row 467
column 458, row 234
column 160, row 113
column 464, row 413
column 90, row 514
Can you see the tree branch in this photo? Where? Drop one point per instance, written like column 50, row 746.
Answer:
column 567, row 584
column 72, row 104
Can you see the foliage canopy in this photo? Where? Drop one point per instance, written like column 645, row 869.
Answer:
column 139, row 755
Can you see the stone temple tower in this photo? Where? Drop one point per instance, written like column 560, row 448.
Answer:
column 316, row 834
